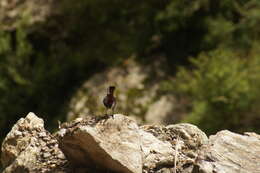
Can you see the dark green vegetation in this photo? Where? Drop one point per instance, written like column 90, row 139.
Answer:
column 212, row 48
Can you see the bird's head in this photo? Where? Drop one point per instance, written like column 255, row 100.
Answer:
column 111, row 89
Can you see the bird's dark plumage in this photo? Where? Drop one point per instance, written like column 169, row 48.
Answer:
column 110, row 101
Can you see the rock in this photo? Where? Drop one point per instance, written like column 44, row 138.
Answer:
column 192, row 136
column 186, row 140
column 230, row 152
column 111, row 144
column 26, row 149
column 156, row 153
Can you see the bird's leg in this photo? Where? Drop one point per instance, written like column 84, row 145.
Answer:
column 113, row 112
column 113, row 108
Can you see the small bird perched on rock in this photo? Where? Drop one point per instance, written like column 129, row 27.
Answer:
column 110, row 101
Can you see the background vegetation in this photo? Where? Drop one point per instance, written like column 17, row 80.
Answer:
column 212, row 50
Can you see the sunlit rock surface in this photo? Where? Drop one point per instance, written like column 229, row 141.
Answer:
column 230, row 152
column 112, row 143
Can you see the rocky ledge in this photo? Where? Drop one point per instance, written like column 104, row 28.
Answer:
column 116, row 143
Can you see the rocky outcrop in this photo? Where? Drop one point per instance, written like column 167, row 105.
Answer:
column 117, row 144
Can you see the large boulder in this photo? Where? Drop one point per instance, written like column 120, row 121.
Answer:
column 112, row 143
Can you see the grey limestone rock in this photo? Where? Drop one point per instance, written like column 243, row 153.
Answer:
column 105, row 144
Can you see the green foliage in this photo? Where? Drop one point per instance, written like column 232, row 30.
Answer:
column 223, row 89
column 188, row 27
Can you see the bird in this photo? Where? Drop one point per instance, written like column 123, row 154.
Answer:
column 109, row 100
